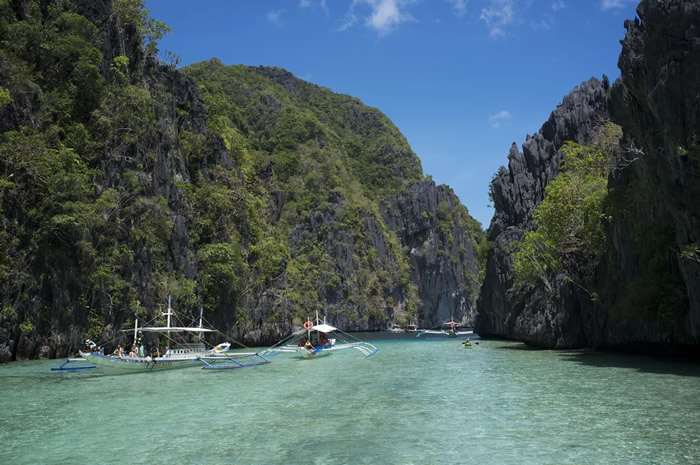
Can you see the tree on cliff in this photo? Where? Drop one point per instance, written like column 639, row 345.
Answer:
column 570, row 218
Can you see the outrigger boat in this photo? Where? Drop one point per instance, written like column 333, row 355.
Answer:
column 317, row 340
column 180, row 355
column 393, row 328
column 78, row 365
column 452, row 332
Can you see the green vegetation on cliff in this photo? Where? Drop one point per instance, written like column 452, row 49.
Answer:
column 311, row 164
column 570, row 218
column 253, row 193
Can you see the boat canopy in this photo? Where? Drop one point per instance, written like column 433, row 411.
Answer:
column 322, row 328
column 165, row 329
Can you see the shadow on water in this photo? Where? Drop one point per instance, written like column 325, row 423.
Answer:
column 520, row 347
column 658, row 364
column 641, row 363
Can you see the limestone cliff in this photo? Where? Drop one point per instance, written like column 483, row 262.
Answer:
column 651, row 282
column 435, row 229
column 646, row 294
column 516, row 192
column 259, row 196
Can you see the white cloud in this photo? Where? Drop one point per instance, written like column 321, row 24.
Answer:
column 544, row 23
column 558, row 5
column 496, row 119
column 614, row 4
column 311, row 5
column 460, row 7
column 350, row 20
column 275, row 16
column 497, row 16
column 384, row 16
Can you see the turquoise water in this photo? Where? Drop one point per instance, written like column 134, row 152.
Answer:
column 417, row 401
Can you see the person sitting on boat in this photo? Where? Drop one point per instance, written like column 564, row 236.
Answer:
column 139, row 343
column 118, row 351
column 308, row 345
column 133, row 352
column 90, row 345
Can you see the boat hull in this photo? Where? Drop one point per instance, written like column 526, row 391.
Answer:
column 306, row 353
column 112, row 365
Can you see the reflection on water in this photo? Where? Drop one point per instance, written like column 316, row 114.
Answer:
column 416, row 401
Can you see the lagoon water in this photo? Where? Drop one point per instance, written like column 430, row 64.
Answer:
column 417, row 401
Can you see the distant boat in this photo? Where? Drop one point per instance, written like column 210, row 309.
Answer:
column 393, row 328
column 451, row 333
column 180, row 355
column 317, row 340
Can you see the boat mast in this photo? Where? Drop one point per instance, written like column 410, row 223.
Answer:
column 167, row 329
column 201, row 312
column 136, row 326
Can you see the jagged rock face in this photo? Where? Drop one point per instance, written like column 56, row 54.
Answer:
column 656, row 298
column 364, row 263
column 159, row 151
column 516, row 192
column 444, row 266
column 648, row 285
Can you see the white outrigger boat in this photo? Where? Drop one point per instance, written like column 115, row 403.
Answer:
column 393, row 328
column 180, row 355
column 317, row 340
column 452, row 332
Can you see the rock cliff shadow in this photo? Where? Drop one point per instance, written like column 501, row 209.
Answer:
column 642, row 363
column 518, row 346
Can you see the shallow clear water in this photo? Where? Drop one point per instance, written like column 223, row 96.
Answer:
column 417, row 401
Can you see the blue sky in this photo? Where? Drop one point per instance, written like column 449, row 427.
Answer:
column 461, row 79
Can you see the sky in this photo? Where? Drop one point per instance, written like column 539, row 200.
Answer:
column 461, row 79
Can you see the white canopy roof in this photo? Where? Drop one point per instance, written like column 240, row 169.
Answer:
column 323, row 328
column 165, row 329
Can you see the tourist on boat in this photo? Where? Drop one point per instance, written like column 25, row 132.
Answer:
column 133, row 352
column 139, row 343
column 90, row 345
column 118, row 351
